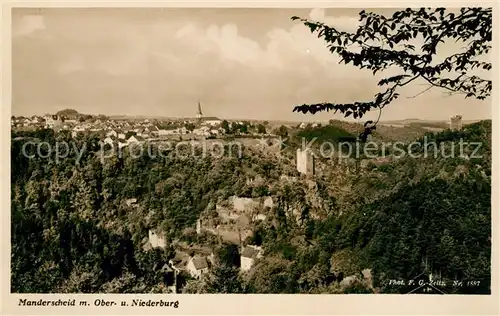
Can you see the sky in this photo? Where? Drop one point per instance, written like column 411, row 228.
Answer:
column 240, row 63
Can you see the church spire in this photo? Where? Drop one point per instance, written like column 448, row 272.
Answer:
column 199, row 114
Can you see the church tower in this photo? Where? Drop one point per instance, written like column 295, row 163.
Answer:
column 199, row 114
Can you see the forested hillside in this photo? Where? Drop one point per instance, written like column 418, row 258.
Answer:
column 72, row 230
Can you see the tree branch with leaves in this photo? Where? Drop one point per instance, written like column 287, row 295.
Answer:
column 382, row 43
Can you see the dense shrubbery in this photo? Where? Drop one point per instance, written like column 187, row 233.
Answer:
column 72, row 218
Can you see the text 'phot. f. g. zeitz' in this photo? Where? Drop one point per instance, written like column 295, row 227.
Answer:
column 240, row 150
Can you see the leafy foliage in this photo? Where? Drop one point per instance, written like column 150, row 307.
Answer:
column 405, row 216
column 73, row 232
column 328, row 133
column 381, row 43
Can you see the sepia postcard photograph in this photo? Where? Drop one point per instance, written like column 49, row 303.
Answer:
column 161, row 151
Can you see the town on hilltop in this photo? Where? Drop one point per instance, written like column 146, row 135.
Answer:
column 123, row 131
